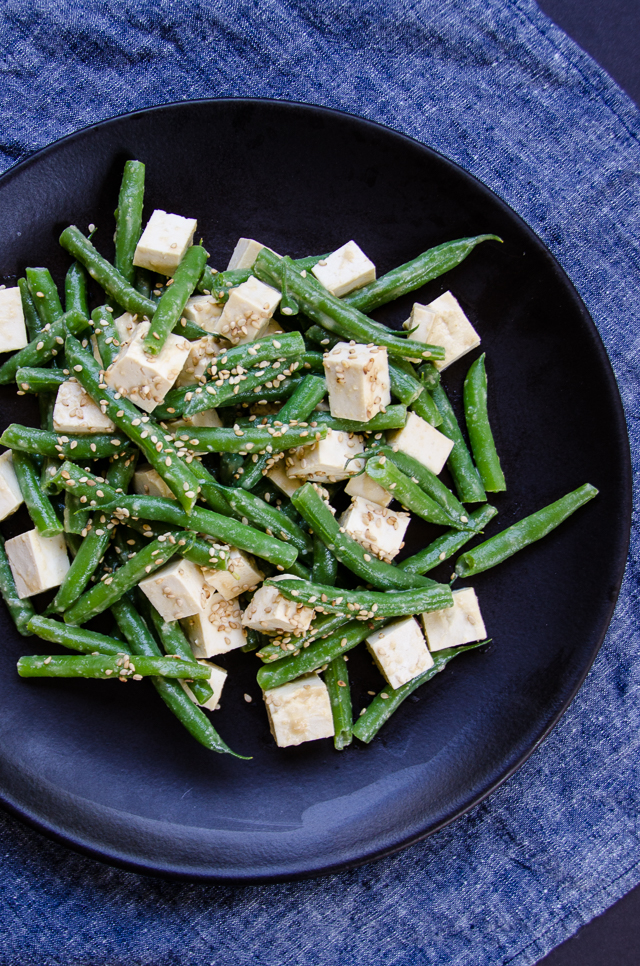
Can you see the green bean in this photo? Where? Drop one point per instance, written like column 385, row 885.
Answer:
column 143, row 282
column 146, row 561
column 449, row 543
column 107, row 666
column 248, row 507
column 526, row 531
column 394, row 417
column 215, row 440
column 144, row 432
column 389, row 700
column 429, row 375
column 31, row 317
column 61, row 445
column 173, row 694
column 34, row 379
column 414, row 274
column 336, row 678
column 21, row 611
column 364, row 605
column 312, row 361
column 109, row 278
column 129, row 218
column 173, row 641
column 218, row 284
column 426, row 409
column 76, row 296
column 480, row 435
column 174, row 298
column 332, row 313
column 465, row 476
column 75, row 638
column 409, row 494
column 189, row 330
column 44, row 346
column 37, row 503
column 322, row 627
column 325, row 565
column 44, row 295
column 254, row 640
column 299, row 570
column 350, row 553
column 203, row 553
column 427, row 481
column 106, row 334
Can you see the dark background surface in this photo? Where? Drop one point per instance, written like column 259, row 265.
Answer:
column 610, row 32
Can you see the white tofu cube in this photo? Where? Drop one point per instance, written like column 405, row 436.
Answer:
column 126, row 325
column 10, row 493
column 368, row 489
column 346, row 269
column 37, row 563
column 400, row 651
column 278, row 476
column 327, row 460
column 270, row 612
column 217, row 627
column 241, row 574
column 457, row 625
column 201, row 355
column 299, row 711
column 164, row 242
column 245, row 253
column 419, row 439
column 215, row 681
column 209, row 417
column 379, row 530
column 442, row 322
column 249, row 308
column 175, row 590
column 204, row 311
column 76, row 412
column 13, row 331
column 143, row 378
column 148, row 482
column 358, row 380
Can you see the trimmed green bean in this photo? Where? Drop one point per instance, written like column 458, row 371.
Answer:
column 389, row 700
column 76, row 295
column 203, row 553
column 256, row 511
column 42, row 514
column 129, row 218
column 243, row 441
column 106, row 334
column 425, row 408
column 174, row 642
column 365, row 605
column 483, row 446
column 174, row 298
column 414, row 274
column 449, row 543
column 34, row 379
column 76, row 517
column 394, row 417
column 325, row 565
column 409, row 494
column 31, row 317
column 427, row 481
column 21, row 611
column 61, row 445
column 465, row 476
column 275, row 648
column 45, row 346
column 429, row 375
column 143, row 282
column 336, row 678
column 44, row 295
column 219, row 284
column 107, row 666
column 299, row 570
column 526, row 531
column 75, row 638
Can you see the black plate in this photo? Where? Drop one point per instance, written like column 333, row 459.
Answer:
column 107, row 769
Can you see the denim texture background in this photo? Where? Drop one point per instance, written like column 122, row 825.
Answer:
column 494, row 85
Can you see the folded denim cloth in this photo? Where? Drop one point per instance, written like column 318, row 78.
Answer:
column 497, row 87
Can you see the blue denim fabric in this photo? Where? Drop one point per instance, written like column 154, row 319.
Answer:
column 496, row 86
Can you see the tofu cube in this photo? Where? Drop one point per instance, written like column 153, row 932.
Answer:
column 143, row 378
column 327, row 460
column 457, row 625
column 201, row 355
column 241, row 574
column 76, row 412
column 299, row 711
column 345, row 270
column 249, row 308
column 442, row 322
column 13, row 331
column 37, row 563
column 358, row 380
column 270, row 612
column 204, row 311
column 419, row 439
column 368, row 489
column 379, row 530
column 209, row 417
column 400, row 651
column 148, row 482
column 10, row 493
column 278, row 476
column 217, row 627
column 216, row 682
column 126, row 325
column 175, row 590
column 245, row 253
column 164, row 242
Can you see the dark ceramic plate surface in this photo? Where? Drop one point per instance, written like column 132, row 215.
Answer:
column 105, row 768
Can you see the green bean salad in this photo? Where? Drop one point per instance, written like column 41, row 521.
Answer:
column 231, row 459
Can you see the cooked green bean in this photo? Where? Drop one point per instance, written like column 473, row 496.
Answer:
column 107, row 666
column 480, row 435
column 174, row 642
column 203, row 553
column 409, row 494
column 425, row 408
column 427, row 481
column 299, row 570
column 106, row 334
column 465, row 476
column 31, row 317
column 325, row 565
column 143, row 282
column 44, row 295
column 414, row 274
column 76, row 295
column 256, row 511
column 219, row 284
column 449, row 543
column 364, row 605
column 336, row 678
column 75, row 638
column 174, row 298
column 94, row 446
column 129, row 218
column 275, row 648
column 394, row 417
column 429, row 375
column 389, row 700
column 243, row 441
column 44, row 346
column 21, row 611
column 34, row 379
column 42, row 514
column 519, row 535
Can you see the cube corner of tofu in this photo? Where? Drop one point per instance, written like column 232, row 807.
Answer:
column 270, row 612
column 164, row 242
column 10, row 493
column 216, row 681
column 175, row 590
column 420, row 322
column 376, row 528
column 217, row 626
column 362, row 485
column 451, row 329
column 278, row 476
column 148, row 482
column 37, row 563
column 346, row 269
column 143, row 378
column 241, row 575
column 358, row 380
column 423, row 442
column 13, row 331
column 299, row 711
column 328, row 460
column 204, row 311
column 248, row 311
column 400, row 651
column 457, row 625
column 244, row 254
column 75, row 411
column 202, row 352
